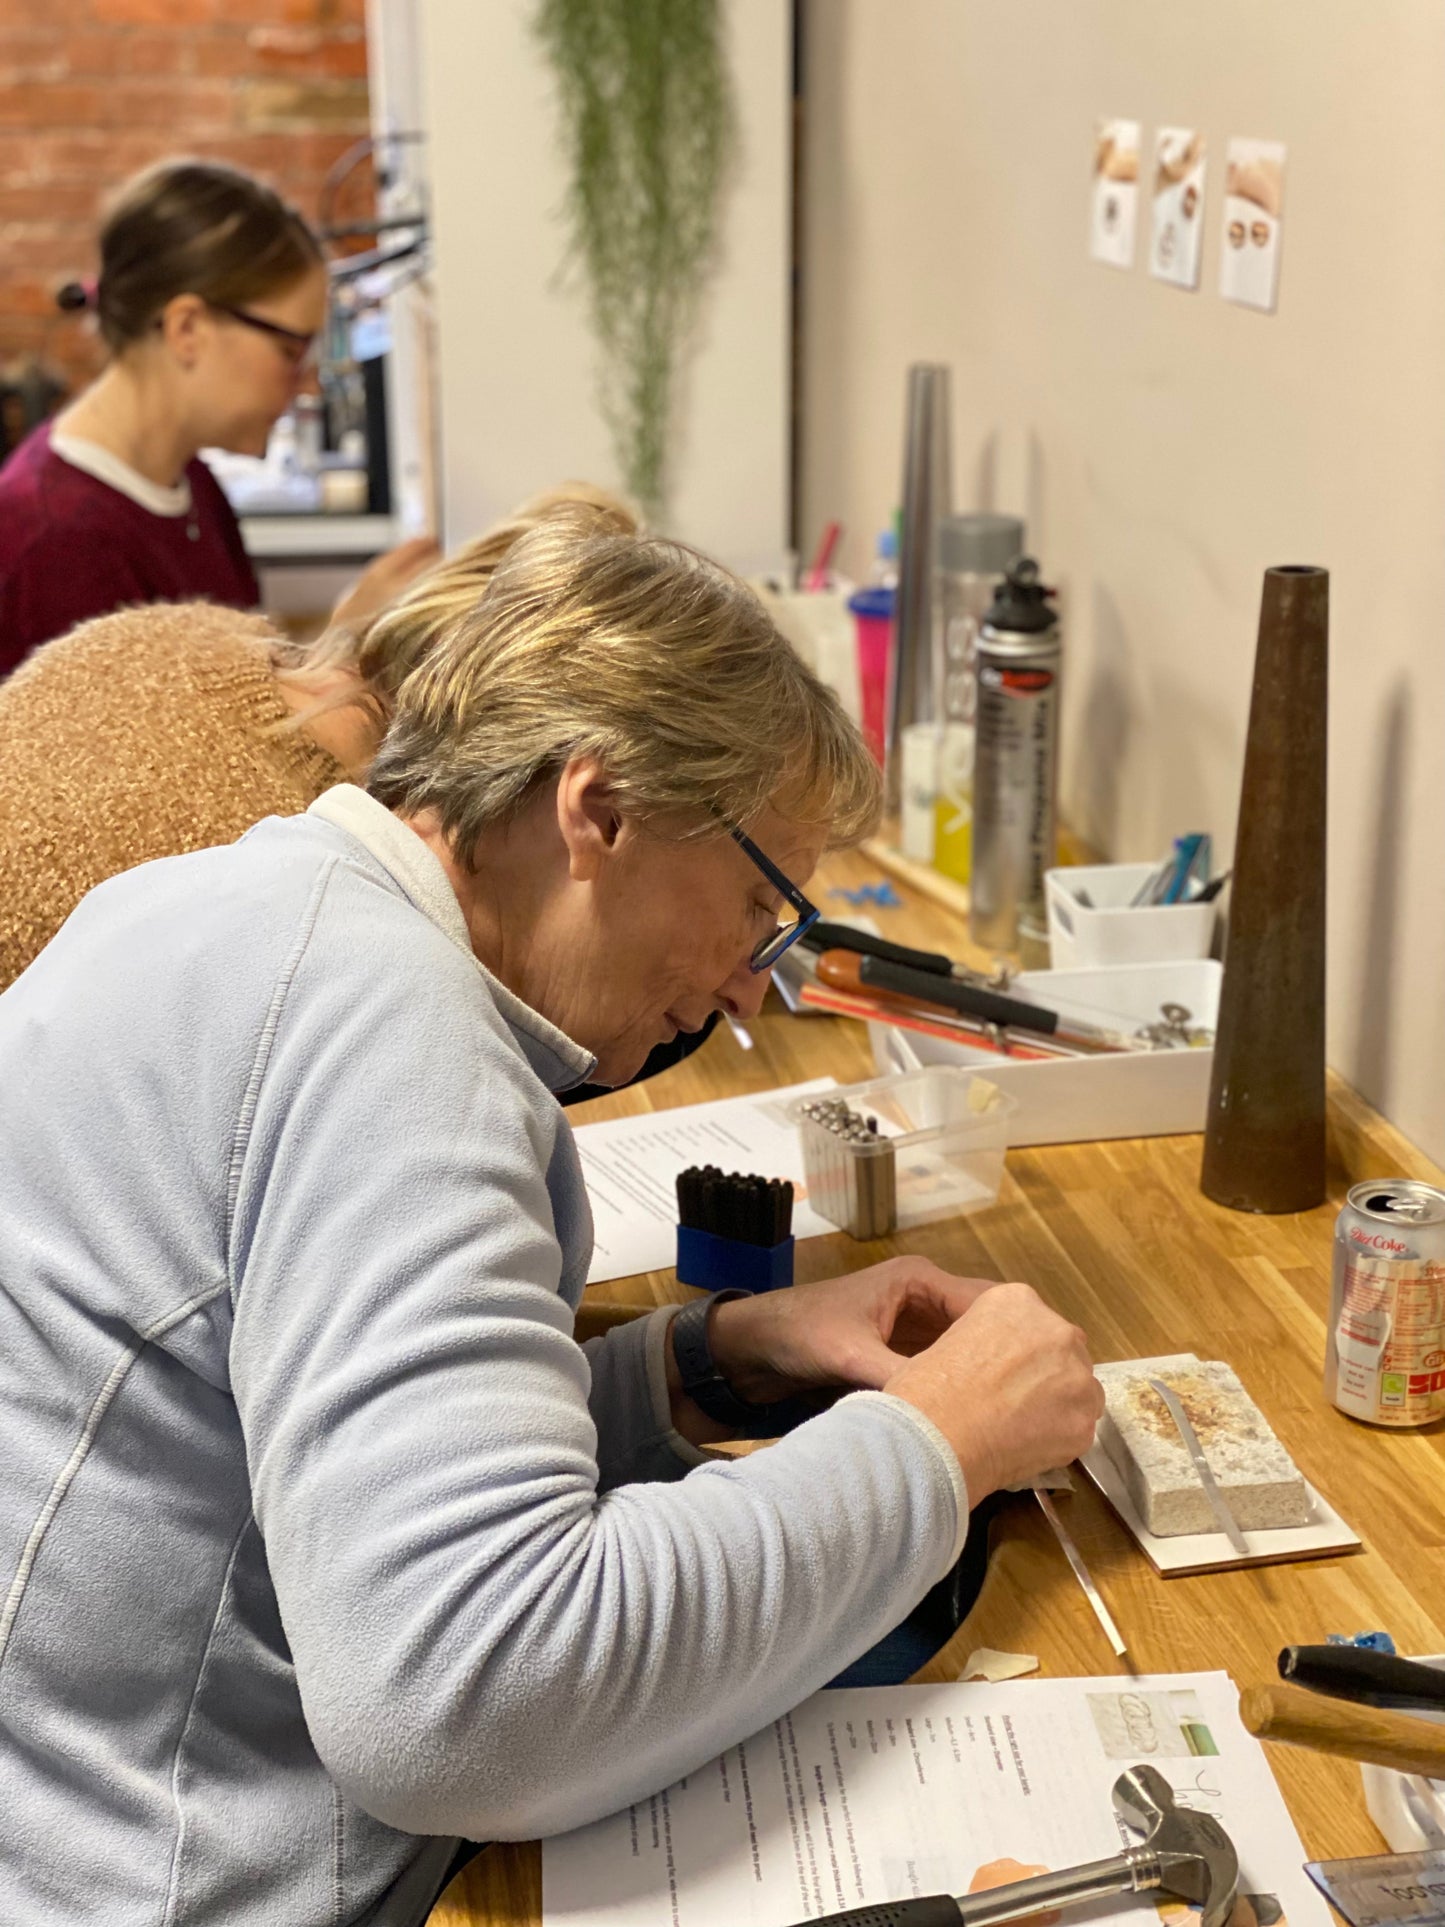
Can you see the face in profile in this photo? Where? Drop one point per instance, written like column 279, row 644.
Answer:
column 675, row 925
column 246, row 377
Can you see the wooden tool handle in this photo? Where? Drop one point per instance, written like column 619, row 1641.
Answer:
column 1332, row 1726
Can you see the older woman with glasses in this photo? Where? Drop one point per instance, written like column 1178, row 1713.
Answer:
column 322, row 1542
column 210, row 295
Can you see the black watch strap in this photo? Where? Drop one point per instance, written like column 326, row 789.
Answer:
column 710, row 1391
column 701, row 1379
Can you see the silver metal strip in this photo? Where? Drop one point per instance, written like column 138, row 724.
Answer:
column 1228, row 1524
column 1081, row 1572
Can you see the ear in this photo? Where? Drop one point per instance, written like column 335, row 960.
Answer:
column 592, row 828
column 185, row 326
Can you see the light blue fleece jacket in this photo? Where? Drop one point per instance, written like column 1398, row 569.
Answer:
column 319, row 1534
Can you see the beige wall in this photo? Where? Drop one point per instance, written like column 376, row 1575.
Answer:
column 517, row 395
column 1165, row 446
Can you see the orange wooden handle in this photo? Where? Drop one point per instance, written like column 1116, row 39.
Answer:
column 1297, row 1718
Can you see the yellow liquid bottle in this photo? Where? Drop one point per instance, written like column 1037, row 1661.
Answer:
column 953, row 808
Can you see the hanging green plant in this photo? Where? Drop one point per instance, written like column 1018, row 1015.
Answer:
column 647, row 125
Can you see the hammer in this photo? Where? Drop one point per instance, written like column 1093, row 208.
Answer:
column 1184, row 1853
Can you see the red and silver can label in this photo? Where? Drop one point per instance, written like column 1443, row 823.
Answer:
column 1385, row 1349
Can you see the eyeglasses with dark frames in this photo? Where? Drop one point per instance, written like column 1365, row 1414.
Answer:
column 767, row 950
column 298, row 346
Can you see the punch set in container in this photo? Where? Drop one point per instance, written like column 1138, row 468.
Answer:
column 901, row 1151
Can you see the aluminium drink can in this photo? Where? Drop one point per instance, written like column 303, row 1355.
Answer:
column 1016, row 757
column 1385, row 1345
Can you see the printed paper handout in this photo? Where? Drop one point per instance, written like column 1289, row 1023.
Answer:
column 878, row 1794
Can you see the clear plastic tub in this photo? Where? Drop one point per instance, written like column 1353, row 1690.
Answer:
column 904, row 1150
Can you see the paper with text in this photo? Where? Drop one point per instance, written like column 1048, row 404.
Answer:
column 883, row 1793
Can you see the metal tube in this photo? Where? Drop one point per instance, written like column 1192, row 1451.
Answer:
column 927, row 499
column 1133, row 1871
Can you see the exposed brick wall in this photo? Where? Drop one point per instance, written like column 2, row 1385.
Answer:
column 91, row 90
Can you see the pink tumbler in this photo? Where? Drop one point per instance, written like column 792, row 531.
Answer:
column 872, row 611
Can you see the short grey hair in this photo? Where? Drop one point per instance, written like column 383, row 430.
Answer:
column 644, row 654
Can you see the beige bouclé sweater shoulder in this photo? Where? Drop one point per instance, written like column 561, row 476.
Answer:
column 139, row 735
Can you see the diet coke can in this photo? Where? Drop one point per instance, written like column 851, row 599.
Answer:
column 1385, row 1348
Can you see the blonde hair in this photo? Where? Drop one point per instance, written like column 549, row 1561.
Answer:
column 643, row 654
column 379, row 650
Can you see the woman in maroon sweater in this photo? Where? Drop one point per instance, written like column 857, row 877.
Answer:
column 210, row 293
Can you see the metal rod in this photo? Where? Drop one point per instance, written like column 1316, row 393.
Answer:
column 1134, row 1871
column 1081, row 1573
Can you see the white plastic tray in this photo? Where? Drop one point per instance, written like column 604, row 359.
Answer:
column 1408, row 1809
column 1107, row 931
column 1071, row 1100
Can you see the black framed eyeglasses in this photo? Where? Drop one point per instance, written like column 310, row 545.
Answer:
column 298, row 346
column 767, row 950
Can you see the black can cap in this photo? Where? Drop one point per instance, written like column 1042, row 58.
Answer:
column 1021, row 602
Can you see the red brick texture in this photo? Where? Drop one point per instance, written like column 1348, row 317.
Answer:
column 91, row 90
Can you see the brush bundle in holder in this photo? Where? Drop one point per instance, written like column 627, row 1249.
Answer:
column 734, row 1232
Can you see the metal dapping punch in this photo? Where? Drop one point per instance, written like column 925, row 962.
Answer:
column 1184, row 1853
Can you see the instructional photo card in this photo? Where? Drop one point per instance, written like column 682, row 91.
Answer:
column 1177, row 228
column 1114, row 205
column 1253, row 217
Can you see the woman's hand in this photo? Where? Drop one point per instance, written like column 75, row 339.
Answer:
column 1007, row 1381
column 854, row 1331
column 1010, row 1386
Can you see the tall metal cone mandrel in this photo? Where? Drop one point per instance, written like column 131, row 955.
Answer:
column 1264, row 1145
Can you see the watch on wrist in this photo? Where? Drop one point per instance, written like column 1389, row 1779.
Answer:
column 705, row 1385
column 701, row 1379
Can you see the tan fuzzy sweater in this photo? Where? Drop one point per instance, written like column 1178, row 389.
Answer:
column 139, row 735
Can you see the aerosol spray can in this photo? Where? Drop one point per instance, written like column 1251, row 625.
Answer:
column 1016, row 765
column 1385, row 1348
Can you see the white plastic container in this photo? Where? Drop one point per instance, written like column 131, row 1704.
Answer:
column 1407, row 1808
column 937, row 1152
column 1107, row 931
column 1074, row 1100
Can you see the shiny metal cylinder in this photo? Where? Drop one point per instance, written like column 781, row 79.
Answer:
column 927, row 499
column 1015, row 783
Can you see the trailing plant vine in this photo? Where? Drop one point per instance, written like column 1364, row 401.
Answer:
column 647, row 127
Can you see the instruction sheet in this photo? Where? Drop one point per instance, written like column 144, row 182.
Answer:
column 884, row 1793
column 631, row 1164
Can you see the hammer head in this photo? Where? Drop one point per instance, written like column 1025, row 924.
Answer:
column 1196, row 1856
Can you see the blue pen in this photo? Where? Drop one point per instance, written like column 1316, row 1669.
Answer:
column 1186, row 853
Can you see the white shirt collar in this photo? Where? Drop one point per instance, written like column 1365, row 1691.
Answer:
column 405, row 857
column 94, row 460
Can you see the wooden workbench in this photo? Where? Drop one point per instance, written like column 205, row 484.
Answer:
column 1119, row 1238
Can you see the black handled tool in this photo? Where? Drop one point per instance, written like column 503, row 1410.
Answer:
column 842, row 936
column 990, row 1005
column 1368, row 1678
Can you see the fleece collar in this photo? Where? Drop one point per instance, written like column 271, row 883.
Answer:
column 553, row 1055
